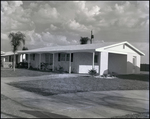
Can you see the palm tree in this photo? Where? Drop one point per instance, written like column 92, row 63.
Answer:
column 16, row 39
column 84, row 40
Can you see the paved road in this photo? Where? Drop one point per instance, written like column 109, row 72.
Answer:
column 19, row 103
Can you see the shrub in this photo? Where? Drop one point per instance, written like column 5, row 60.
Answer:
column 30, row 67
column 92, row 72
column 61, row 69
column 10, row 66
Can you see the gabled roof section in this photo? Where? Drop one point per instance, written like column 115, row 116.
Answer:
column 127, row 43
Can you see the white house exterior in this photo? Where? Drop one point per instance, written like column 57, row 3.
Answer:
column 121, row 58
column 7, row 58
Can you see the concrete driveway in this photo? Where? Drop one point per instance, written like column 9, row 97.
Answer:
column 95, row 104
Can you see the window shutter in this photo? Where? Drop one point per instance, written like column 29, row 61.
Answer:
column 33, row 56
column 58, row 56
column 71, row 57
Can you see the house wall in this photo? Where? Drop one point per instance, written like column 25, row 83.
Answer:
column 82, row 62
column 64, row 64
column 5, row 61
column 35, row 63
column 130, row 67
column 130, row 53
column 117, row 63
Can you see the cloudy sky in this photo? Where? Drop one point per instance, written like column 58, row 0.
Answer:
column 49, row 23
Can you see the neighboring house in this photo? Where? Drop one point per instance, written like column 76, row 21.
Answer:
column 8, row 57
column 122, row 58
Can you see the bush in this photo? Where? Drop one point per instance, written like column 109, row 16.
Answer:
column 22, row 65
column 61, row 69
column 92, row 72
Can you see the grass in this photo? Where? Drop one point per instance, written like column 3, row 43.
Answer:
column 21, row 72
column 137, row 115
column 76, row 84
column 140, row 77
column 48, row 87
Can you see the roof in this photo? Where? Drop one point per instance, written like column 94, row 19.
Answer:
column 73, row 48
column 2, row 52
column 68, row 48
column 8, row 53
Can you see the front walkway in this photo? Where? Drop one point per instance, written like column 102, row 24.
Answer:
column 83, row 105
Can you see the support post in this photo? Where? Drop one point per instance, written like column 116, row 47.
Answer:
column 8, row 58
column 103, row 63
column 28, row 61
column 22, row 57
column 53, row 61
column 93, row 60
column 40, row 61
column 70, row 63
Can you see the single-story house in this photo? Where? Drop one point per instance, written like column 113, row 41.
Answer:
column 8, row 57
column 121, row 58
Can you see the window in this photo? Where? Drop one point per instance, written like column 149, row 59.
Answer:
column 62, row 57
column 9, row 58
column 47, row 58
column 96, row 59
column 33, row 56
column 51, row 59
column 67, row 57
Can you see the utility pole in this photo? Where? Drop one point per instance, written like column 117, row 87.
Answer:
column 92, row 36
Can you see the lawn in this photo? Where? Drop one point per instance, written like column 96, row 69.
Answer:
column 48, row 87
column 21, row 72
column 54, row 86
column 140, row 77
column 138, row 115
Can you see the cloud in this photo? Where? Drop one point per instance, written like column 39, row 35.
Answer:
column 76, row 26
column 53, row 27
column 4, row 36
column 33, row 5
column 14, row 17
column 16, row 3
column 95, row 10
column 46, row 14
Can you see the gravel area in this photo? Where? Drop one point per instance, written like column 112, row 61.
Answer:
column 138, row 115
column 79, row 84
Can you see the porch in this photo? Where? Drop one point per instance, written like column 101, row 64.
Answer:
column 79, row 61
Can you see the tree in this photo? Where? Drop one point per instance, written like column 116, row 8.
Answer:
column 24, row 48
column 16, row 40
column 84, row 40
